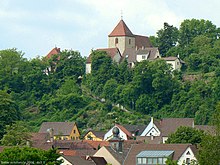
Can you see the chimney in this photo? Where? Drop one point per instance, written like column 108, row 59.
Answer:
column 51, row 133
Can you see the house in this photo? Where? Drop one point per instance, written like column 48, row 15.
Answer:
column 94, row 135
column 140, row 154
column 152, row 129
column 113, row 154
column 124, row 133
column 61, row 130
column 165, row 126
column 150, row 54
column 175, row 62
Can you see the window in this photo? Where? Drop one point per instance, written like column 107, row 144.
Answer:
column 188, row 153
column 143, row 57
column 164, row 160
column 144, row 160
column 129, row 41
column 187, row 161
column 74, row 131
column 139, row 161
column 116, row 41
column 178, row 63
column 149, row 161
column 154, row 160
column 160, row 161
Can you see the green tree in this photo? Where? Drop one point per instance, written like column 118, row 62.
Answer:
column 186, row 135
column 24, row 155
column 109, row 89
column 12, row 68
column 16, row 134
column 167, row 38
column 209, row 150
column 9, row 111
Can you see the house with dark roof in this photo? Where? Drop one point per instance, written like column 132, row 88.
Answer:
column 175, row 62
column 94, row 135
column 61, row 130
column 140, row 154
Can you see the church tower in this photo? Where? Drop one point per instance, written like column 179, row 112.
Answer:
column 121, row 37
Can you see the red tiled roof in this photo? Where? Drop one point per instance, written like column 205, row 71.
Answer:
column 110, row 51
column 54, row 51
column 136, row 149
column 121, row 30
column 96, row 144
column 124, row 130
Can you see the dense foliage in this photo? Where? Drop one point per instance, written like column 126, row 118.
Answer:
column 186, row 135
column 27, row 155
column 57, row 89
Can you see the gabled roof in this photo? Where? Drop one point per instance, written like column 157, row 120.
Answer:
column 41, row 141
column 128, row 133
column 135, row 129
column 98, row 134
column 178, row 149
column 54, row 51
column 170, row 125
column 77, row 160
column 110, row 51
column 129, row 54
column 59, row 128
column 152, row 52
column 142, row 42
column 119, row 156
column 121, row 30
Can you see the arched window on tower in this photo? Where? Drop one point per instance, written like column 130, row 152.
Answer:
column 116, row 41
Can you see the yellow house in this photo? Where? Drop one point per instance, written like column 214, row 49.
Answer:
column 61, row 130
column 94, row 135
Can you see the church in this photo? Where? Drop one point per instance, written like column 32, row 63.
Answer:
column 123, row 44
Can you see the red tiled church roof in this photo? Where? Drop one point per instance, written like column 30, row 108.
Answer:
column 121, row 30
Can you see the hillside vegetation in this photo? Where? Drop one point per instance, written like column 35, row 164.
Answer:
column 57, row 89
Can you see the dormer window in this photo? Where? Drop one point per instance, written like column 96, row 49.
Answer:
column 116, row 41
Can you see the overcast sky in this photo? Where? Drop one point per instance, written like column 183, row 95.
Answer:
column 37, row 26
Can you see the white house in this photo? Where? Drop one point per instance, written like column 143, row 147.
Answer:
column 151, row 129
column 124, row 133
column 175, row 62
